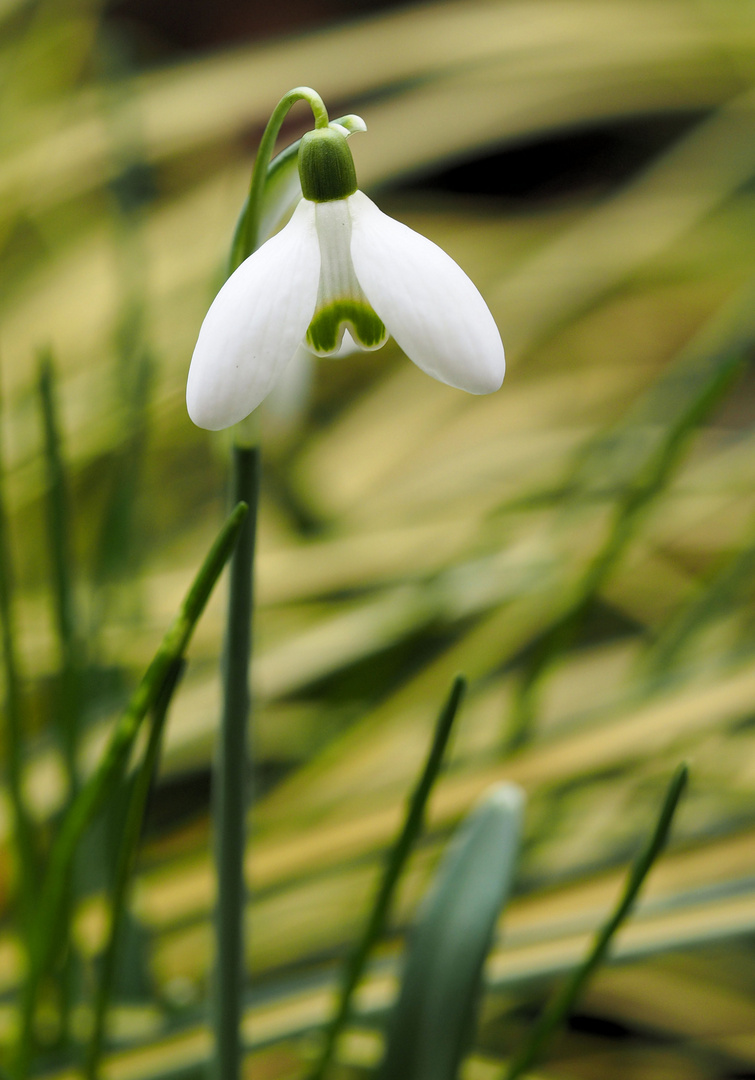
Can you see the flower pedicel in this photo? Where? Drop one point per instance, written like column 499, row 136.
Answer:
column 339, row 263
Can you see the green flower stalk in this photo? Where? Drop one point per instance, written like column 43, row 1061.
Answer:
column 340, row 272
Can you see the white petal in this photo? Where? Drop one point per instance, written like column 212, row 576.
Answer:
column 340, row 298
column 289, row 397
column 427, row 302
column 254, row 325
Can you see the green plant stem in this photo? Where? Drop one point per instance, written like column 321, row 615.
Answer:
column 231, row 779
column 246, row 238
column 93, row 793
column 24, row 838
column 127, row 852
column 233, row 765
column 726, row 590
column 375, row 925
column 559, row 1008
column 69, row 697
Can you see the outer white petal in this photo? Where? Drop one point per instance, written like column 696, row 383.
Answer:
column 289, row 397
column 427, row 302
column 255, row 324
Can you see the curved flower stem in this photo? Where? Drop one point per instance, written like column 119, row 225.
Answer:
column 230, row 778
column 246, row 238
column 233, row 763
column 561, row 1005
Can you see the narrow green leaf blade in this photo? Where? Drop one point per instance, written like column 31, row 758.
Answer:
column 561, row 1005
column 127, row 852
column 708, row 380
column 69, row 709
column 94, row 791
column 25, row 839
column 413, row 824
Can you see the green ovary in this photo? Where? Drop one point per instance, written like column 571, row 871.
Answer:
column 366, row 328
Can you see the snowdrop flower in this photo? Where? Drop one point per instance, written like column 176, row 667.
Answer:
column 339, row 263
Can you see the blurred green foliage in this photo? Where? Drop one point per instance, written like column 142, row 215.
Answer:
column 590, row 164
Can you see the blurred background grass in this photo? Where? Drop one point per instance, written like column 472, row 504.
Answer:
column 580, row 544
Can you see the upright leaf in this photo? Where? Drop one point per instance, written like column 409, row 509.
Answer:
column 432, row 1023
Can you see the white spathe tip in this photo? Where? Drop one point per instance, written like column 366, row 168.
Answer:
column 506, row 795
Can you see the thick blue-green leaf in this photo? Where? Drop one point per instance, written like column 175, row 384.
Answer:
column 431, row 1027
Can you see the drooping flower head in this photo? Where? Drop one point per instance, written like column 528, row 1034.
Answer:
column 339, row 263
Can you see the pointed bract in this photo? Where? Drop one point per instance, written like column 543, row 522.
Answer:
column 427, row 302
column 255, row 325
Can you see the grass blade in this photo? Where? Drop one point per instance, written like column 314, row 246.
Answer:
column 412, row 826
column 69, row 697
column 119, row 546
column 127, row 851
column 24, row 838
column 647, row 483
column 558, row 1010
column 94, row 791
column 725, row 590
column 68, row 707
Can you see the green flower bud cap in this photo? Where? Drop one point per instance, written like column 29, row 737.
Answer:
column 326, row 167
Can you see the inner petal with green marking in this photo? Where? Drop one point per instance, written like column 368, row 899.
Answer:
column 326, row 329
column 341, row 302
